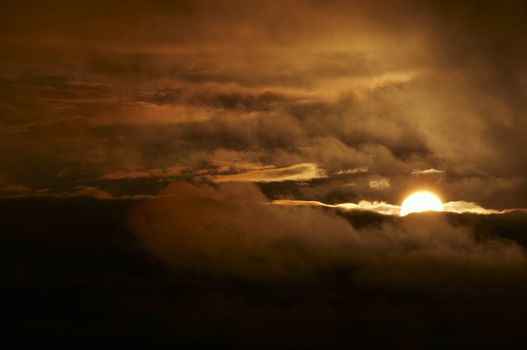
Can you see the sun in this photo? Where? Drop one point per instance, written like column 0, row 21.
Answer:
column 419, row 202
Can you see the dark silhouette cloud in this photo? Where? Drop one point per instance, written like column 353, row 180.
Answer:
column 72, row 269
column 234, row 229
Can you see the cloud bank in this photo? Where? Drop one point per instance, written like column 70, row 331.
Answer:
column 234, row 229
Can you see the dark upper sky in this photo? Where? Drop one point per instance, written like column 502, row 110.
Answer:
column 362, row 96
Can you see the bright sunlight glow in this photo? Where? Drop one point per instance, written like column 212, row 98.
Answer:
column 419, row 202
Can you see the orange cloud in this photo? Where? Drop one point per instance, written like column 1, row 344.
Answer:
column 297, row 172
column 156, row 172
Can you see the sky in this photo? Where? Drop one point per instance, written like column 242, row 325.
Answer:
column 271, row 143
column 360, row 101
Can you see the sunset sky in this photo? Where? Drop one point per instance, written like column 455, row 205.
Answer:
column 260, row 151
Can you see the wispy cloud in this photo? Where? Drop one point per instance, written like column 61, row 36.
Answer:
column 375, row 206
column 469, row 207
column 358, row 170
column 136, row 174
column 297, row 172
column 380, row 207
column 77, row 192
column 381, row 183
column 427, row 171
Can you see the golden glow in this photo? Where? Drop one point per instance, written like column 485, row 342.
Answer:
column 419, row 202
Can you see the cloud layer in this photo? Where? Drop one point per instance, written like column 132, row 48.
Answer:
column 235, row 230
column 421, row 94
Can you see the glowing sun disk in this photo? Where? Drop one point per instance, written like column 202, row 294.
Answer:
column 419, row 202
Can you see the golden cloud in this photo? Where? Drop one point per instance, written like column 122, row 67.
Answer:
column 297, row 172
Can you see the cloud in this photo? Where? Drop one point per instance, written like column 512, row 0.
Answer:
column 156, row 172
column 459, row 207
column 377, row 207
column 233, row 229
column 379, row 183
column 77, row 192
column 302, row 83
column 297, row 172
column 15, row 190
column 352, row 171
column 468, row 207
column 313, row 103
column 426, row 171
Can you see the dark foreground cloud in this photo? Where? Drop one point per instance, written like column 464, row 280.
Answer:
column 234, row 229
column 72, row 270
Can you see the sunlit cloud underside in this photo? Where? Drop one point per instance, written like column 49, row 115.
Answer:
column 380, row 207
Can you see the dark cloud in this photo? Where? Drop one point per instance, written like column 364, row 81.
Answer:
column 73, row 269
column 235, row 230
